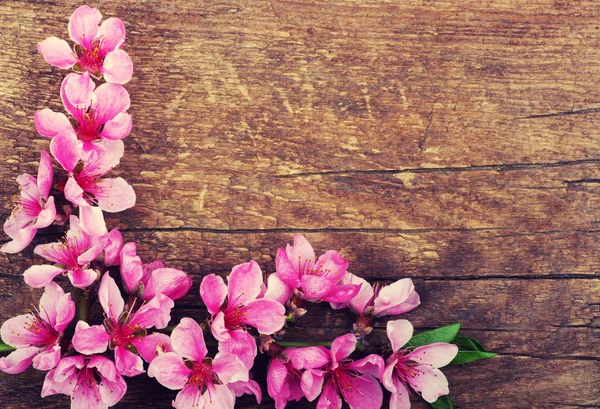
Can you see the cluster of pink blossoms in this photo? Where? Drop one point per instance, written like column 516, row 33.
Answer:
column 87, row 359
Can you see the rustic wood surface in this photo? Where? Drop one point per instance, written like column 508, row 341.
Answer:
column 454, row 142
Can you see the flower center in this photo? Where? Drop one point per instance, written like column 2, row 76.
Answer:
column 88, row 127
column 90, row 58
column 202, row 376
column 41, row 332
column 405, row 369
column 124, row 330
column 88, row 380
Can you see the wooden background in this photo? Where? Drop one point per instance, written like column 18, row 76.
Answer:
column 454, row 142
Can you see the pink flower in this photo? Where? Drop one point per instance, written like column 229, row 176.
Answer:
column 417, row 369
column 88, row 189
column 396, row 298
column 354, row 380
column 124, row 329
column 315, row 280
column 242, row 309
column 34, row 209
column 37, row 335
column 151, row 279
column 97, row 50
column 91, row 381
column 73, row 257
column 204, row 382
column 98, row 120
column 284, row 378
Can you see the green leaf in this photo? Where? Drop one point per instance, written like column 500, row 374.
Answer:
column 443, row 334
column 464, row 357
column 6, row 348
column 467, row 343
column 443, row 402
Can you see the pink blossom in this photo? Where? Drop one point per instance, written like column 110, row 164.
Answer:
column 417, row 369
column 34, row 209
column 204, row 382
column 153, row 278
column 396, row 298
column 73, row 257
column 284, row 378
column 91, row 381
column 314, row 279
column 250, row 387
column 37, row 335
column 124, row 328
column 98, row 120
column 88, row 189
column 354, row 380
column 97, row 50
column 242, row 309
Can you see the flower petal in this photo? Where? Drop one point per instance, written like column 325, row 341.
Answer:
column 14, row 331
column 229, row 368
column 57, row 52
column 47, row 216
column 117, row 67
column 431, row 383
column 362, row 299
column 45, row 174
column 213, row 291
column 66, row 148
column 168, row 281
column 114, row 195
column 49, row 123
column 285, row 271
column 329, row 398
column 112, row 391
column 267, row 316
column 309, row 357
column 92, row 220
column 149, row 346
column 220, row 397
column 341, row 293
column 112, row 250
column 364, row 392
column 316, row 287
column 277, row 290
column 118, row 127
column 342, row 347
column 111, row 99
column 218, row 329
column 154, row 313
column 246, row 388
column 399, row 333
column 48, row 359
column 396, row 298
column 332, row 265
column 189, row 397
column 437, row 355
column 83, row 25
column 372, row 364
column 112, row 32
column 131, row 266
column 244, row 283
column 90, row 340
column 312, row 383
column 77, row 93
column 82, row 278
column 74, row 193
column 22, row 239
column 110, row 297
column 242, row 345
column 18, row 361
column 39, row 276
column 169, row 370
column 301, row 255
column 128, row 363
column 400, row 397
column 187, row 340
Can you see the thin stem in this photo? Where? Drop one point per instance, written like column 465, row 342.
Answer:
column 82, row 302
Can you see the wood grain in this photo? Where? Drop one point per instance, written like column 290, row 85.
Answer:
column 451, row 141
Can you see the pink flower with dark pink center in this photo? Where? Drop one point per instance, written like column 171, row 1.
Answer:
column 124, row 328
column 34, row 208
column 204, row 382
column 37, row 335
column 148, row 280
column 235, row 307
column 314, row 279
column 98, row 120
column 91, row 381
column 88, row 189
column 379, row 300
column 284, row 378
column 415, row 369
column 97, row 49
column 356, row 381
column 72, row 256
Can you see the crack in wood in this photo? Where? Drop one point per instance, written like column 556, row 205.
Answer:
column 563, row 113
